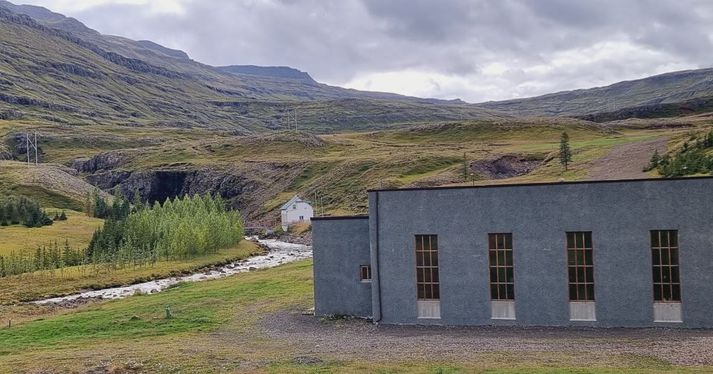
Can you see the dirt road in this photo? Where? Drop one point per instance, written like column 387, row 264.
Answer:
column 626, row 161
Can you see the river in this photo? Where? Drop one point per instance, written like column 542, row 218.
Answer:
column 279, row 253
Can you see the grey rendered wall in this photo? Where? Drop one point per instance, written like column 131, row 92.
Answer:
column 340, row 247
column 619, row 214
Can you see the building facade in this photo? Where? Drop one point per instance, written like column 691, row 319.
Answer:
column 296, row 211
column 634, row 253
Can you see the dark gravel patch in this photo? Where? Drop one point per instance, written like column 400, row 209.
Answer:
column 358, row 339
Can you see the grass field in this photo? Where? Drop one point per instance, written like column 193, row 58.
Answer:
column 218, row 326
column 77, row 230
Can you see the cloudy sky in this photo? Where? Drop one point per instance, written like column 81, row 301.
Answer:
column 477, row 50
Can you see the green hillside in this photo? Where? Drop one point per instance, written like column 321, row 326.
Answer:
column 82, row 77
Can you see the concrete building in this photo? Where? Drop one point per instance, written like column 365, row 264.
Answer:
column 296, row 211
column 633, row 253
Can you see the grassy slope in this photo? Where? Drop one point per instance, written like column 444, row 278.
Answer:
column 71, row 280
column 77, row 230
column 339, row 168
column 49, row 184
column 216, row 328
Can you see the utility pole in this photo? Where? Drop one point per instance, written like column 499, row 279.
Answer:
column 30, row 145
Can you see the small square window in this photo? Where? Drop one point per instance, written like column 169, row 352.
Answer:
column 365, row 273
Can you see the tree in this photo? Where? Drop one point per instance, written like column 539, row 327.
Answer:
column 654, row 162
column 63, row 216
column 565, row 150
column 465, row 168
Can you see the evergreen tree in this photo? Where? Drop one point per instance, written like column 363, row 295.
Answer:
column 63, row 216
column 565, row 154
column 655, row 159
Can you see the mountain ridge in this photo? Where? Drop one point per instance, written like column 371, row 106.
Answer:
column 258, row 98
column 673, row 90
column 55, row 75
column 285, row 72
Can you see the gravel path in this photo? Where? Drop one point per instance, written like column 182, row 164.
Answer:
column 627, row 161
column 358, row 339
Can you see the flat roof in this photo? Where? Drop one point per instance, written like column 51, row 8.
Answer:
column 334, row 218
column 530, row 184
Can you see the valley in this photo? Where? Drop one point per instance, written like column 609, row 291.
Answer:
column 129, row 125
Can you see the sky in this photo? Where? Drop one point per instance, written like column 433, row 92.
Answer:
column 475, row 50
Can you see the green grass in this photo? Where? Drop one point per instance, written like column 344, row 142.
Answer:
column 216, row 327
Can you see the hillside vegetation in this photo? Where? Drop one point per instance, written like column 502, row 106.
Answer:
column 258, row 173
column 666, row 95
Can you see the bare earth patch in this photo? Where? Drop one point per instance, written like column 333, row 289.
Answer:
column 359, row 339
column 627, row 161
column 506, row 166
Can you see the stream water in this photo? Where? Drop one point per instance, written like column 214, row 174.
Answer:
column 279, row 253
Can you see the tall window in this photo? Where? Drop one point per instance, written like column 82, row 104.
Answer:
column 664, row 252
column 502, row 278
column 581, row 266
column 427, row 267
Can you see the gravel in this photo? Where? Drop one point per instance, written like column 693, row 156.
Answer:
column 627, row 161
column 359, row 339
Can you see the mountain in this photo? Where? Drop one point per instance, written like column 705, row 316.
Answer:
column 53, row 68
column 665, row 95
column 268, row 71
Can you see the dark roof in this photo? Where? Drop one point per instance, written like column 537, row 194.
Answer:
column 334, row 218
column 542, row 184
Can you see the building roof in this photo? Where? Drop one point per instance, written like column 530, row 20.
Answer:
column 543, row 184
column 334, row 218
column 293, row 200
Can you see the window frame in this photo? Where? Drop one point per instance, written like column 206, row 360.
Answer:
column 365, row 278
column 589, row 294
column 431, row 288
column 499, row 285
column 674, row 282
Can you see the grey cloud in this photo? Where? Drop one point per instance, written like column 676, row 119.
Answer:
column 338, row 41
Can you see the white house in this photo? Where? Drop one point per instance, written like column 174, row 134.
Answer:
column 296, row 210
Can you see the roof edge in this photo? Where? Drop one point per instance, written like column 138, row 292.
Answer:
column 534, row 184
column 335, row 218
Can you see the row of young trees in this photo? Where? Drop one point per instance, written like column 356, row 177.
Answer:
column 135, row 234
column 49, row 257
column 693, row 158
column 22, row 211
column 177, row 229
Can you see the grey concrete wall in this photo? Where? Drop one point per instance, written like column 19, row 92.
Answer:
column 340, row 246
column 620, row 216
